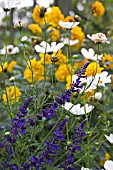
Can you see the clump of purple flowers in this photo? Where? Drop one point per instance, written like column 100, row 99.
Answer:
column 19, row 127
column 72, row 148
column 19, row 122
column 51, row 147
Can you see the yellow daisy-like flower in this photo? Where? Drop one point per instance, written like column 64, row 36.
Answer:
column 35, row 28
column 81, row 63
column 107, row 58
column 63, row 71
column 62, row 59
column 34, row 70
column 77, row 34
column 93, row 69
column 11, row 66
column 98, row 8
column 54, row 16
column 106, row 157
column 54, row 34
column 4, row 67
column 11, row 95
column 37, row 15
column 47, row 58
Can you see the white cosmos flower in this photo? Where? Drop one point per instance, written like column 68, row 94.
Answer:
column 85, row 168
column 109, row 138
column 45, row 47
column 99, row 79
column 108, row 165
column 103, row 78
column 67, row 41
column 8, row 4
column 98, row 38
column 10, row 49
column 77, row 109
column 90, row 54
column 68, row 24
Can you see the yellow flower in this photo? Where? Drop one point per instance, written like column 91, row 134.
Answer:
column 107, row 58
column 54, row 34
column 98, row 8
column 106, row 157
column 37, row 15
column 93, row 69
column 47, row 58
column 34, row 70
column 35, row 28
column 61, row 58
column 11, row 66
column 80, row 64
column 54, row 16
column 4, row 67
column 63, row 71
column 11, row 95
column 77, row 34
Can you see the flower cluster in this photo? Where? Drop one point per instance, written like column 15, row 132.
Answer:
column 51, row 147
column 98, row 8
column 74, row 147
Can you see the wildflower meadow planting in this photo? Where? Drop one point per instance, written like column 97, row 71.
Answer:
column 56, row 85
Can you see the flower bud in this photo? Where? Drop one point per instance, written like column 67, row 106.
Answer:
column 12, row 79
column 19, row 25
column 77, row 18
column 7, row 133
column 98, row 95
column 42, row 11
column 24, row 39
column 54, row 58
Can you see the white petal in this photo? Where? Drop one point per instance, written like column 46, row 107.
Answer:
column 58, row 47
column 108, row 165
column 67, row 105
column 91, row 52
column 84, row 52
column 109, row 138
column 39, row 49
column 73, row 42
